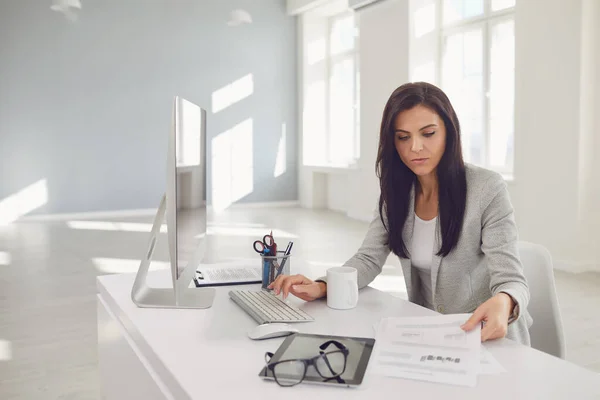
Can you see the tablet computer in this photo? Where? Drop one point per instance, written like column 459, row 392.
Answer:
column 303, row 346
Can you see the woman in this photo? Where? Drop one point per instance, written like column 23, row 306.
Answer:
column 451, row 224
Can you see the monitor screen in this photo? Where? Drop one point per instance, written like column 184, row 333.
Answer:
column 190, row 159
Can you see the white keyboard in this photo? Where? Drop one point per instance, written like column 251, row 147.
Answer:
column 265, row 307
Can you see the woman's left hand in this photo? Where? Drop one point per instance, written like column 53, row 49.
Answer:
column 495, row 312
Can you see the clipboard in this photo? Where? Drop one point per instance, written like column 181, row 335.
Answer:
column 226, row 275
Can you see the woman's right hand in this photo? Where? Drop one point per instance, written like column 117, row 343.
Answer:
column 300, row 286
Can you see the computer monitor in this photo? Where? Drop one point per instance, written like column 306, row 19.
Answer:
column 184, row 205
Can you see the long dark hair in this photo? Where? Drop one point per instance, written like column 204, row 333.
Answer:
column 396, row 179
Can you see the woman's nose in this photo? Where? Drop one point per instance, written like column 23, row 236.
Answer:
column 417, row 145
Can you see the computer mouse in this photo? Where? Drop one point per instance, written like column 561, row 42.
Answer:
column 272, row 330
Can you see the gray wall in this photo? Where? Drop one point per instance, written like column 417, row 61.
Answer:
column 86, row 105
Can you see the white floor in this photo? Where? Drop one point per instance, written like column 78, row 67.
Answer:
column 47, row 288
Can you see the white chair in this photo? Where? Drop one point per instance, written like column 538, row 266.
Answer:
column 547, row 329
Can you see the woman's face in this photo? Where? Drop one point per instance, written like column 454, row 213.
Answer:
column 420, row 139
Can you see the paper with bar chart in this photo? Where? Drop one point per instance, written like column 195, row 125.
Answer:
column 433, row 349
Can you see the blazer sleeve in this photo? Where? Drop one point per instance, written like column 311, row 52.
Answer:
column 499, row 239
column 371, row 255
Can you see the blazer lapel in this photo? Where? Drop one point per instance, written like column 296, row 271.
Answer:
column 435, row 259
column 407, row 233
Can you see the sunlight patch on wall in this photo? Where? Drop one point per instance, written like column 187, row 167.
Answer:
column 5, row 258
column 232, row 93
column 23, row 202
column 232, row 165
column 281, row 160
column 5, row 350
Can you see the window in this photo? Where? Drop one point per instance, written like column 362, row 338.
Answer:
column 330, row 89
column 343, row 146
column 477, row 74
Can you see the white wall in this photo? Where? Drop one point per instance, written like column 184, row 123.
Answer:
column 589, row 165
column 85, row 107
column 554, row 191
column 383, row 43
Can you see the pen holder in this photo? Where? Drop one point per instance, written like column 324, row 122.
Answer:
column 273, row 266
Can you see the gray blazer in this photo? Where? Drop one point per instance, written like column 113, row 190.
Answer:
column 484, row 262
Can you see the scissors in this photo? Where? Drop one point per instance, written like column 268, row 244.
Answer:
column 266, row 246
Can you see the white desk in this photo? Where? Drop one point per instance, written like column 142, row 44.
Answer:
column 205, row 354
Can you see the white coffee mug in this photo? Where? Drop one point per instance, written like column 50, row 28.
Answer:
column 342, row 288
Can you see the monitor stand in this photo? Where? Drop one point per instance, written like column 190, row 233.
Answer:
column 180, row 295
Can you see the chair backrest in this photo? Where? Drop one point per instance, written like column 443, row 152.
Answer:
column 547, row 329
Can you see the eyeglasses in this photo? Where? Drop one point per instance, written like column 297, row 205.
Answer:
column 330, row 364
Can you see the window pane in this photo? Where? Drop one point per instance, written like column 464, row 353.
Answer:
column 342, row 34
column 502, row 4
column 424, row 19
column 456, row 10
column 341, row 112
column 462, row 80
column 502, row 95
column 314, row 122
column 473, row 53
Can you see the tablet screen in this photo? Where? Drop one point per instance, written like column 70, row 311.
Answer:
column 302, row 346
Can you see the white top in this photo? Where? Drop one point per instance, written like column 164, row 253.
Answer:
column 421, row 255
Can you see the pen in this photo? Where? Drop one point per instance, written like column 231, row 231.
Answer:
column 268, row 266
column 265, row 270
column 288, row 250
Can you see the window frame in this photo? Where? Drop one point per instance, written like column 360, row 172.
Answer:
column 323, row 20
column 486, row 21
column 329, row 62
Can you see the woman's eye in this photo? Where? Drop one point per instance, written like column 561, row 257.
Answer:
column 402, row 138
column 429, row 134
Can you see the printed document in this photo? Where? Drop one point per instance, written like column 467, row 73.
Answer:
column 433, row 349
